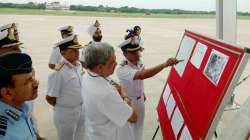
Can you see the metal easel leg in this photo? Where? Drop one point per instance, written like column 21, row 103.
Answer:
column 215, row 134
column 232, row 105
column 157, row 129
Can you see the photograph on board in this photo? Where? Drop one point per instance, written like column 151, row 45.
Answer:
column 215, row 66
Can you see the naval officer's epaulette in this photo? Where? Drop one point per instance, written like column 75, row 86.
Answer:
column 3, row 125
column 86, row 45
column 124, row 63
column 59, row 65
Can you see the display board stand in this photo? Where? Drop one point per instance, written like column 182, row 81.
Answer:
column 233, row 105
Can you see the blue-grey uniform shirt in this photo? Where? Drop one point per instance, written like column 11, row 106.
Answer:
column 15, row 124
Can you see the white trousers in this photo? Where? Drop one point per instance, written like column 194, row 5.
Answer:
column 69, row 122
column 139, row 107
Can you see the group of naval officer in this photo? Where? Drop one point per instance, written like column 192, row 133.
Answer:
column 80, row 88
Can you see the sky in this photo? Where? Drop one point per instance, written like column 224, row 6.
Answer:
column 195, row 5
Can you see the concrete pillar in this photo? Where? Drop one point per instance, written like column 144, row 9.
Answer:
column 226, row 20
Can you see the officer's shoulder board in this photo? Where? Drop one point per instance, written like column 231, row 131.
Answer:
column 3, row 125
column 142, row 66
column 124, row 63
column 88, row 44
column 12, row 114
column 59, row 65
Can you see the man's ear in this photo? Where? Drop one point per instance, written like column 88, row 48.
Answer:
column 99, row 67
column 61, row 52
column 7, row 93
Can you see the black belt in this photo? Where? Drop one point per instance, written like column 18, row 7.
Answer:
column 138, row 98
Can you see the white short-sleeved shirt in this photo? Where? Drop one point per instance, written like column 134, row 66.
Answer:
column 55, row 56
column 65, row 84
column 106, row 113
column 126, row 73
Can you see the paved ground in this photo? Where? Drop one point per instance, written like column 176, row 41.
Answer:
column 162, row 37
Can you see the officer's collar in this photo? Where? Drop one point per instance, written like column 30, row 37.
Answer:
column 71, row 65
column 13, row 113
column 92, row 74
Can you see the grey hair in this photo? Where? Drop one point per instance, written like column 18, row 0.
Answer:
column 97, row 53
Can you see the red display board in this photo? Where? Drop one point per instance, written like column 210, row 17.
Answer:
column 195, row 91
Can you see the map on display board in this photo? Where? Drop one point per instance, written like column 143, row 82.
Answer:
column 198, row 88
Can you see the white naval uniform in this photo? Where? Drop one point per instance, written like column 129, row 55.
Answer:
column 135, row 89
column 106, row 113
column 55, row 56
column 65, row 84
